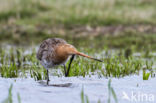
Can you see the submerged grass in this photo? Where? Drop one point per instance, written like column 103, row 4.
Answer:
column 111, row 94
column 84, row 98
column 9, row 99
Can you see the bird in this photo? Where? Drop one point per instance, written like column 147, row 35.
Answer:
column 56, row 51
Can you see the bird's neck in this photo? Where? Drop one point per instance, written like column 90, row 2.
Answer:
column 65, row 50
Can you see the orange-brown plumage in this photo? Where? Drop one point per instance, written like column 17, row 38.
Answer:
column 55, row 51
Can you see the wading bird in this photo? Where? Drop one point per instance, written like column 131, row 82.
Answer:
column 55, row 51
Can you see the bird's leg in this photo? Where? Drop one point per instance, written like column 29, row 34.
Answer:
column 65, row 70
column 71, row 59
column 48, row 77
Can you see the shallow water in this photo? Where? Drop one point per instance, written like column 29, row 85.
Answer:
column 67, row 90
column 130, row 89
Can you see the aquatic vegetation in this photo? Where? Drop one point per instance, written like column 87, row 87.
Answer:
column 111, row 67
column 9, row 98
column 84, row 98
column 27, row 22
column 9, row 71
column 19, row 54
column 38, row 73
column 149, row 65
column 16, row 63
column 111, row 92
column 119, row 68
column 96, row 27
column 19, row 98
column 115, row 64
column 145, row 75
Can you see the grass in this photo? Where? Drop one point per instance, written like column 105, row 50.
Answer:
column 111, row 30
column 94, row 12
column 111, row 93
column 99, row 25
column 97, row 12
column 10, row 71
column 137, row 42
column 9, row 98
column 84, row 98
column 145, row 75
column 38, row 74
column 22, row 21
column 18, row 63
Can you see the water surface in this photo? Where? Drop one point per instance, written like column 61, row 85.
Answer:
column 134, row 87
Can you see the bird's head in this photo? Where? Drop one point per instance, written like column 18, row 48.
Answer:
column 67, row 49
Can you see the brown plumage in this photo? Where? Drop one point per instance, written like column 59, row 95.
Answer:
column 55, row 51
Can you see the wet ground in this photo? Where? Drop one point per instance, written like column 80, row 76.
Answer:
column 130, row 89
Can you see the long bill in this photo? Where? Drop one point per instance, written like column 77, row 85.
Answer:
column 84, row 55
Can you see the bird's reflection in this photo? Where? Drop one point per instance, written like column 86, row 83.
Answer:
column 43, row 83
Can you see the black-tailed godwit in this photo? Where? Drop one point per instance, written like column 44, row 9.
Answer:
column 55, row 51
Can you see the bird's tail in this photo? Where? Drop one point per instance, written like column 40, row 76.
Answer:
column 84, row 55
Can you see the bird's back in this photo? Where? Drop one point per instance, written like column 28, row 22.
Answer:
column 55, row 51
column 47, row 48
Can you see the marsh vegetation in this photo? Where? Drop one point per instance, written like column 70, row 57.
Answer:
column 122, row 33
